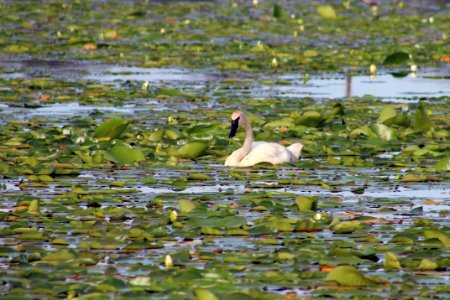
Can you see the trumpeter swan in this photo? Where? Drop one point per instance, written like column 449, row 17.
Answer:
column 252, row 153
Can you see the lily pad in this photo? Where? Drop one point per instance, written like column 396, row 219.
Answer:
column 396, row 58
column 192, row 149
column 349, row 276
column 123, row 153
column 111, row 128
column 326, row 11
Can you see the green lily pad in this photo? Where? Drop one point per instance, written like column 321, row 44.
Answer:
column 111, row 128
column 306, row 203
column 427, row 264
column 349, row 276
column 396, row 58
column 391, row 262
column 278, row 11
column 204, row 294
column 192, row 150
column 168, row 92
column 326, row 11
column 186, row 205
column 442, row 236
column 422, row 121
column 123, row 153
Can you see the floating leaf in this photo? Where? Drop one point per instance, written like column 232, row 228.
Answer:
column 326, row 11
column 384, row 132
column 442, row 236
column 123, row 153
column 278, row 11
column 192, row 149
column 387, row 112
column 427, row 264
column 422, row 121
column 168, row 92
column 391, row 262
column 58, row 256
column 348, row 276
column 443, row 164
column 34, row 208
column 186, row 205
column 306, row 203
column 346, row 227
column 204, row 294
column 285, row 122
column 310, row 53
column 239, row 296
column 307, row 225
column 396, row 58
column 413, row 178
column 111, row 128
column 199, row 176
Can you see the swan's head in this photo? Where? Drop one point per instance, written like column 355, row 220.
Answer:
column 235, row 117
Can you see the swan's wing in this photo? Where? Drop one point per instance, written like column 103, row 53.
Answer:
column 266, row 152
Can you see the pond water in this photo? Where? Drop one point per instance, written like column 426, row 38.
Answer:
column 115, row 199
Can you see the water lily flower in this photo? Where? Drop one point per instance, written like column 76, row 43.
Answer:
column 168, row 262
column 317, row 216
column 274, row 62
column 173, row 216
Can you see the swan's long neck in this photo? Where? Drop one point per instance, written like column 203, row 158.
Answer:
column 247, row 147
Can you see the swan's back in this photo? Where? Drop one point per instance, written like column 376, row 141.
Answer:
column 267, row 152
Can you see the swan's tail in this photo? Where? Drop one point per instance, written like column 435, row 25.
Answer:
column 295, row 149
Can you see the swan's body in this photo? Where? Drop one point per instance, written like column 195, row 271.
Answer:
column 252, row 153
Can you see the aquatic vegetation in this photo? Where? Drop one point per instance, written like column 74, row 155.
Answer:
column 112, row 181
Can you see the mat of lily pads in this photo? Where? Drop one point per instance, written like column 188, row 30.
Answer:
column 114, row 128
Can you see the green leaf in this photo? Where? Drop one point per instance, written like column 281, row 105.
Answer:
column 307, row 225
column 34, row 208
column 310, row 119
column 442, row 236
column 306, row 203
column 224, row 222
column 422, row 121
column 387, row 112
column 427, row 264
column 413, row 178
column 348, row 276
column 192, row 150
column 326, row 12
column 123, row 153
column 204, row 294
column 396, row 58
column 168, row 92
column 238, row 296
column 186, row 205
column 285, row 122
column 199, row 176
column 346, row 227
column 278, row 11
column 391, row 262
column 384, row 132
column 443, row 164
column 59, row 256
column 111, row 128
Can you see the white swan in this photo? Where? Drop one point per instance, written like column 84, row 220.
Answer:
column 252, row 153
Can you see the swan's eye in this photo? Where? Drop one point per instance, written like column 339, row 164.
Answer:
column 234, row 127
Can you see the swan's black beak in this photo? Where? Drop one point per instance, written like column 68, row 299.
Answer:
column 234, row 127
